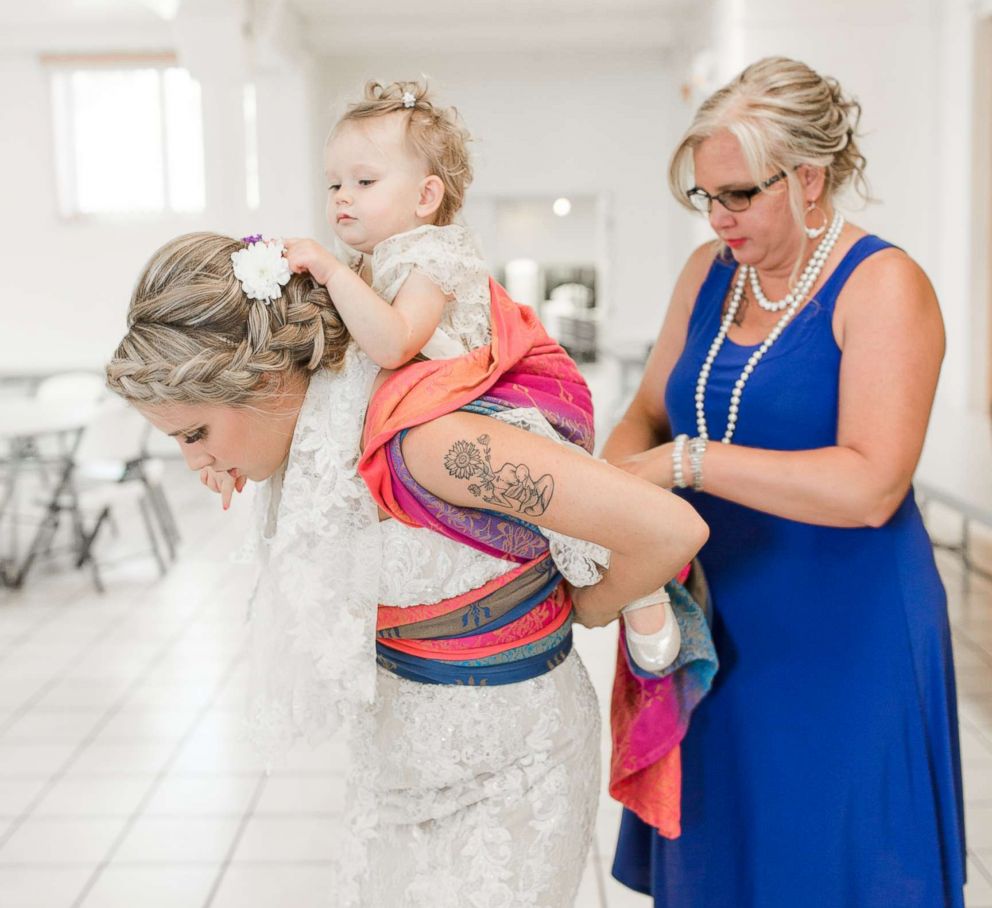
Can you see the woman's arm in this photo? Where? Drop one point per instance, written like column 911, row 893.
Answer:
column 892, row 336
column 474, row 461
column 645, row 423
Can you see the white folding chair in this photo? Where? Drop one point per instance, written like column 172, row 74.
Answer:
column 111, row 467
column 77, row 387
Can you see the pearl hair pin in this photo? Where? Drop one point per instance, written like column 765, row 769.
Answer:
column 793, row 302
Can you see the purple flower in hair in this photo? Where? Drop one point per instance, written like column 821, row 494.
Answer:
column 251, row 240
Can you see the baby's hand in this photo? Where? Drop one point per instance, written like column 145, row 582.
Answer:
column 308, row 255
column 223, row 483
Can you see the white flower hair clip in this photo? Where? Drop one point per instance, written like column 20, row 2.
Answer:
column 261, row 267
column 409, row 99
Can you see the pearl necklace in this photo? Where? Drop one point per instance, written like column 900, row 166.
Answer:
column 806, row 281
column 704, row 373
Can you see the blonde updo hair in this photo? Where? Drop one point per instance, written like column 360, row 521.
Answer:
column 194, row 337
column 783, row 114
column 436, row 133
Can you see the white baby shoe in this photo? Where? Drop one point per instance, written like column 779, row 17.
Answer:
column 654, row 652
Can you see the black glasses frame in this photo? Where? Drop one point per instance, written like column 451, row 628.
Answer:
column 736, row 200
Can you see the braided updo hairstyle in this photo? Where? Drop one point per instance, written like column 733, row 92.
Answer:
column 436, row 133
column 783, row 114
column 194, row 337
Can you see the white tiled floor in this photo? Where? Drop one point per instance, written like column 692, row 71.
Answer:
column 123, row 781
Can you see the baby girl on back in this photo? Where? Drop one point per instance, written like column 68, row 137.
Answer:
column 413, row 281
column 408, row 281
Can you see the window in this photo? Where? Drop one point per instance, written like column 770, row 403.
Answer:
column 128, row 138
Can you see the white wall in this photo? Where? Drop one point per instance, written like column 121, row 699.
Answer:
column 909, row 63
column 67, row 283
column 563, row 124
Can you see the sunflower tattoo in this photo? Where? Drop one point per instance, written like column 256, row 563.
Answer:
column 463, row 460
column 511, row 486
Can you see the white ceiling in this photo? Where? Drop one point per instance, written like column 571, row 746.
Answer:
column 83, row 12
column 348, row 27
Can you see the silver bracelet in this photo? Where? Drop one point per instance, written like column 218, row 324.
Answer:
column 678, row 480
column 697, row 448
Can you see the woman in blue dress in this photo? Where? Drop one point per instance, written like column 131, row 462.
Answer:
column 788, row 396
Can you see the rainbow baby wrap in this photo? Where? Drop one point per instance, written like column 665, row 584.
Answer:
column 518, row 625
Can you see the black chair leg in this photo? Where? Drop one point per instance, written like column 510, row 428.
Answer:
column 146, row 516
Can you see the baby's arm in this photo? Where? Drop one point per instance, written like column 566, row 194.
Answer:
column 390, row 334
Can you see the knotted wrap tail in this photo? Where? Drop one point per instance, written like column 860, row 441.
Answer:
column 649, row 716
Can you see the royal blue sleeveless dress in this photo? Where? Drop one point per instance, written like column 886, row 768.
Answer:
column 823, row 768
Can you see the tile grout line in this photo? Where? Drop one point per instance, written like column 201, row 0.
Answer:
column 248, row 813
column 25, row 635
column 102, row 722
column 980, row 864
column 139, row 810
column 979, row 733
column 100, row 636
column 977, row 649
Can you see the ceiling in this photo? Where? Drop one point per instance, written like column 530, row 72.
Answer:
column 349, row 27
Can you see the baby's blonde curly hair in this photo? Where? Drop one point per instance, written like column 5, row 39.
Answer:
column 435, row 133
column 783, row 114
column 194, row 337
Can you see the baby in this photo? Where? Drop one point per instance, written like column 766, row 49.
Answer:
column 409, row 282
column 412, row 281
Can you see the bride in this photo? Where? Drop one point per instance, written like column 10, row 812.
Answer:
column 437, row 634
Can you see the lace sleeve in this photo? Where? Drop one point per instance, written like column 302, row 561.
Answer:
column 447, row 255
column 579, row 561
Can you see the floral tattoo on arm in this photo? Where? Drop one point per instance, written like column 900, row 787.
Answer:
column 511, row 486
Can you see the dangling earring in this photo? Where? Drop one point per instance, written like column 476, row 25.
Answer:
column 814, row 232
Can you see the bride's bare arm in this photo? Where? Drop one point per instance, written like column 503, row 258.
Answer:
column 475, row 461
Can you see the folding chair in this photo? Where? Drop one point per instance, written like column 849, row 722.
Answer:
column 112, row 467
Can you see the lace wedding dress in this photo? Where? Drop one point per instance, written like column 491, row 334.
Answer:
column 459, row 797
column 483, row 796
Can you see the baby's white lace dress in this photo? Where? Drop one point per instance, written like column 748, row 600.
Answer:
column 450, row 258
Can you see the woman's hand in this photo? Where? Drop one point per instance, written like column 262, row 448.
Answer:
column 309, row 256
column 654, row 465
column 224, row 484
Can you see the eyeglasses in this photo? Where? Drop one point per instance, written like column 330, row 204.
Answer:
column 731, row 199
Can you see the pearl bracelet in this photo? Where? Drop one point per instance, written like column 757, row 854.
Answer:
column 678, row 479
column 697, row 448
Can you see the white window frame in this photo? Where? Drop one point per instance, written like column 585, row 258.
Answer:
column 64, row 152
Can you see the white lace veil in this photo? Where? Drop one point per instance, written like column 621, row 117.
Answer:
column 316, row 539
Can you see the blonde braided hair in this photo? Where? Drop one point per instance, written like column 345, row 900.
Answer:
column 195, row 337
column 436, row 133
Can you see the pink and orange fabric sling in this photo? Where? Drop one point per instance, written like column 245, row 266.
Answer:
column 519, row 625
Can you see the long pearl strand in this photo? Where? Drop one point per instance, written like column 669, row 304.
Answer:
column 820, row 255
column 806, row 280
